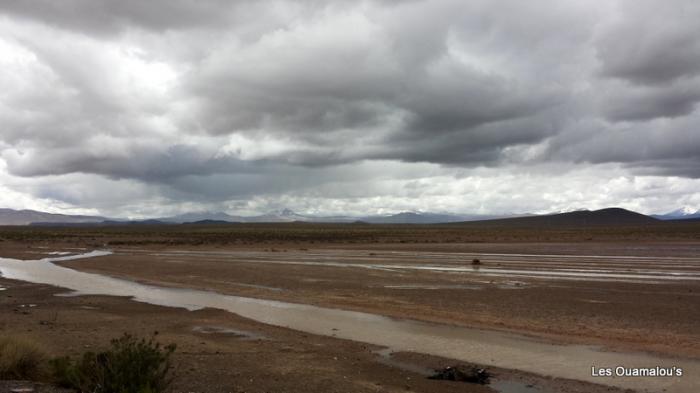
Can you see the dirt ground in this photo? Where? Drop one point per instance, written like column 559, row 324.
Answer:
column 659, row 317
column 257, row 358
column 652, row 314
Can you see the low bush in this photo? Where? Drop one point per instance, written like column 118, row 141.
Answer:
column 20, row 358
column 130, row 365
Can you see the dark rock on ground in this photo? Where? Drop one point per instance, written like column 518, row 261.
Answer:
column 462, row 373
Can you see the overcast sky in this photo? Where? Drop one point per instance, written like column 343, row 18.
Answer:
column 149, row 108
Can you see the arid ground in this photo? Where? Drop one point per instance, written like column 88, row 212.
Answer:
column 624, row 289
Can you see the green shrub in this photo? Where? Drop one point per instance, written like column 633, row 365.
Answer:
column 129, row 366
column 20, row 358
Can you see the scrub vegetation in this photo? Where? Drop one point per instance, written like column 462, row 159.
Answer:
column 130, row 365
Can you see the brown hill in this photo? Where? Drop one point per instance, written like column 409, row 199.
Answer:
column 26, row 217
column 583, row 218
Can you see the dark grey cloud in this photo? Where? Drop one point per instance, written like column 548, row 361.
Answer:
column 208, row 100
column 652, row 51
column 338, row 79
column 647, row 103
column 144, row 162
column 663, row 146
column 652, row 42
column 108, row 17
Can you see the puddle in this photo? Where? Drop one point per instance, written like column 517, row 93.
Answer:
column 475, row 287
column 502, row 386
column 433, row 287
column 512, row 285
column 242, row 285
column 265, row 287
column 385, row 357
column 594, row 301
column 505, row 386
column 315, row 280
column 484, row 347
column 241, row 334
column 72, row 294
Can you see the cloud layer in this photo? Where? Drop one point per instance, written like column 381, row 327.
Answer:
column 250, row 105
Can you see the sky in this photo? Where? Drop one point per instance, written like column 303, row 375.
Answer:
column 151, row 108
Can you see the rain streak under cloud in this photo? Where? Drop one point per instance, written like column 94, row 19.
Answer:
column 139, row 109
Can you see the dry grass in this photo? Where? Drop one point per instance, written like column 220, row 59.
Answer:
column 304, row 234
column 21, row 358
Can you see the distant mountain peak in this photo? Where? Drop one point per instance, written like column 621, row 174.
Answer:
column 286, row 212
column 682, row 213
column 685, row 211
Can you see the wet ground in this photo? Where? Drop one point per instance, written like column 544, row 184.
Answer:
column 504, row 350
column 222, row 352
column 628, row 302
column 570, row 304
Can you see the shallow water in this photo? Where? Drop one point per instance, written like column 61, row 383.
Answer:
column 650, row 270
column 240, row 334
column 433, row 286
column 471, row 345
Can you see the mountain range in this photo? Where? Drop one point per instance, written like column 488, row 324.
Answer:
column 32, row 217
column 26, row 217
column 610, row 216
column 287, row 215
column 684, row 213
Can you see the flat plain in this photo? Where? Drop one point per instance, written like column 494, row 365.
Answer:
column 631, row 290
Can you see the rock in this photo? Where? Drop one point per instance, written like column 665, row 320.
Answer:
column 461, row 373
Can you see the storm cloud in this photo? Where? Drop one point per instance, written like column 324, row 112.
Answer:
column 251, row 105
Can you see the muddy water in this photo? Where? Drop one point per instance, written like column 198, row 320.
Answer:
column 471, row 345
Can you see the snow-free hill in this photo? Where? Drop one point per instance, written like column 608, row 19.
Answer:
column 26, row 217
column 420, row 218
column 202, row 216
column 582, row 218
